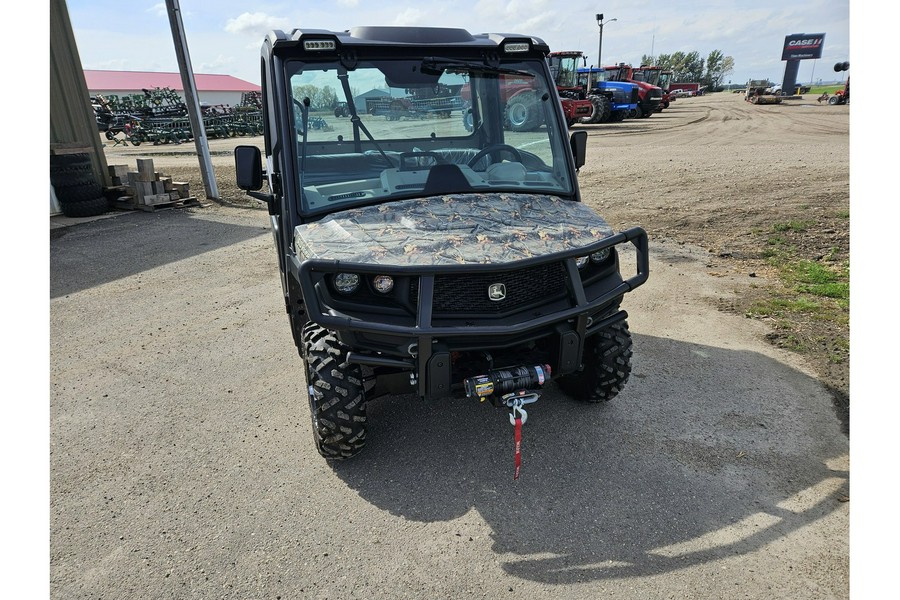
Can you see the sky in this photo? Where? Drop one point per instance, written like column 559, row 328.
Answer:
column 224, row 37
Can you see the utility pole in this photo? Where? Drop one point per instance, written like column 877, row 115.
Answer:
column 600, row 45
column 190, row 99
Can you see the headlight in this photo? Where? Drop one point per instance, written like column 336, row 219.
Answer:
column 346, row 283
column 600, row 255
column 383, row 283
column 581, row 262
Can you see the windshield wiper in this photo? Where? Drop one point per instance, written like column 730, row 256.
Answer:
column 354, row 116
column 439, row 65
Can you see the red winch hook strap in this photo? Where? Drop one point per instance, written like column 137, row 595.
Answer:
column 518, row 425
column 518, row 416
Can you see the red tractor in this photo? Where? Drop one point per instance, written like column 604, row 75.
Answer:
column 651, row 96
column 577, row 105
column 522, row 106
column 841, row 96
column 659, row 77
column 523, row 112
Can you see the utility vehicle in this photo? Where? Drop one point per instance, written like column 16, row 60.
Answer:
column 431, row 256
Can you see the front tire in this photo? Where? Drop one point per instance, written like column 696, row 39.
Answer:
column 607, row 366
column 337, row 398
column 600, row 112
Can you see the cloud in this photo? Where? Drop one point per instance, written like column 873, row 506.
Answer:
column 114, row 64
column 348, row 3
column 257, row 24
column 409, row 17
column 158, row 9
column 218, row 65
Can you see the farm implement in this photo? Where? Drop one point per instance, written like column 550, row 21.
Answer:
column 160, row 116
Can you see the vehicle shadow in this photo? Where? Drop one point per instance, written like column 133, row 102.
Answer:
column 708, row 454
column 97, row 252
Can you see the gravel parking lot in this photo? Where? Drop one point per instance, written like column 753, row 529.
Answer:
column 182, row 464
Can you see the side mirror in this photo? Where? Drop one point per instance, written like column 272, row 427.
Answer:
column 578, row 141
column 248, row 167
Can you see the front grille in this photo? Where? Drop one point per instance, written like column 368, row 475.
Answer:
column 467, row 294
column 635, row 95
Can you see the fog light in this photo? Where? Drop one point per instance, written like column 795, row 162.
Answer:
column 581, row 262
column 383, row 283
column 346, row 283
column 600, row 255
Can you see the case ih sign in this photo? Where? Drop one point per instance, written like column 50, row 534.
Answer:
column 799, row 46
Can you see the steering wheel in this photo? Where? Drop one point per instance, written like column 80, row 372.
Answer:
column 495, row 149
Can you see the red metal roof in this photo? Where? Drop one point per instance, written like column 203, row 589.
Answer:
column 99, row 81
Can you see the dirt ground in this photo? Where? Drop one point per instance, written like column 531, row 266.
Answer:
column 714, row 172
column 181, row 460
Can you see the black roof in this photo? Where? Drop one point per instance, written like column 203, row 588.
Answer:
column 415, row 36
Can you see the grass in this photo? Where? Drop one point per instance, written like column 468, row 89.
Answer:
column 818, row 90
column 813, row 291
column 796, row 226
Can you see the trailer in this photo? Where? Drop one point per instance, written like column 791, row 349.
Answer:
column 692, row 88
column 415, row 107
column 758, row 92
column 764, row 99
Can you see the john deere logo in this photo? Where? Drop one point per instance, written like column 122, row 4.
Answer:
column 497, row 292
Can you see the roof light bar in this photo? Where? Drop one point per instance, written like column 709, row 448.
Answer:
column 515, row 47
column 321, row 45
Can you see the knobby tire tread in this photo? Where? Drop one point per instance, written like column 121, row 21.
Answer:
column 607, row 366
column 337, row 398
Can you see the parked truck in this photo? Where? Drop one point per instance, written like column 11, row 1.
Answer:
column 687, row 88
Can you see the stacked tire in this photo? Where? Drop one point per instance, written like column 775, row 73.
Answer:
column 79, row 194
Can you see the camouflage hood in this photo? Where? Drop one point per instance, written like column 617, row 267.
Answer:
column 456, row 229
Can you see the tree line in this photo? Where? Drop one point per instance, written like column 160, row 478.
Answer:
column 689, row 67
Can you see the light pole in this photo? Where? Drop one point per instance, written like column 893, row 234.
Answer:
column 600, row 44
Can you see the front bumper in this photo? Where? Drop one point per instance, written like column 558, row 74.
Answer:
column 424, row 346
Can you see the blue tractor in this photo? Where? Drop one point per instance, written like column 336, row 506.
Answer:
column 620, row 98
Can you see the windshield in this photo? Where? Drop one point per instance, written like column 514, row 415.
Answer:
column 397, row 129
column 594, row 74
column 665, row 79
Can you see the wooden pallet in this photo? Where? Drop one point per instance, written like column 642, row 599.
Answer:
column 146, row 189
column 129, row 203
